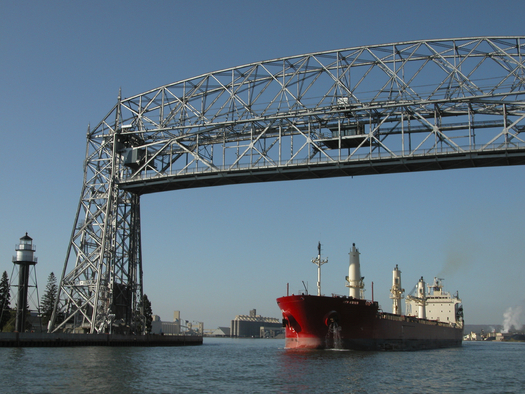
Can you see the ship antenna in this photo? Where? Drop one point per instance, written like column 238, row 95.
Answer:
column 317, row 261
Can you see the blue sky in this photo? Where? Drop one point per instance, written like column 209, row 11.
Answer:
column 214, row 253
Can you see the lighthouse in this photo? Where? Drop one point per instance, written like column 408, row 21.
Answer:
column 24, row 259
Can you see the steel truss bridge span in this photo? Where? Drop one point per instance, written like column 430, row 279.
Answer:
column 407, row 106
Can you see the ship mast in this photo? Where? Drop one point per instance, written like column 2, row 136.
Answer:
column 419, row 300
column 396, row 292
column 317, row 261
column 354, row 278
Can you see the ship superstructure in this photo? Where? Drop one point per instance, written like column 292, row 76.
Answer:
column 438, row 304
column 433, row 319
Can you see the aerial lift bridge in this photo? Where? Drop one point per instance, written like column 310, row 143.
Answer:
column 400, row 107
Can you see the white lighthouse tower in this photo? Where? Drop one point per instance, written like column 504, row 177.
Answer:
column 25, row 259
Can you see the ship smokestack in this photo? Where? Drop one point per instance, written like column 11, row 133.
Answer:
column 354, row 279
column 396, row 291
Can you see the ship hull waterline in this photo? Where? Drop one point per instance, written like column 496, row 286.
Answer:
column 321, row 322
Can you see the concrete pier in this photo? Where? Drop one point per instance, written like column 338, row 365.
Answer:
column 26, row 339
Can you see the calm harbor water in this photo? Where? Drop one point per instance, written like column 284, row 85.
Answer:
column 224, row 365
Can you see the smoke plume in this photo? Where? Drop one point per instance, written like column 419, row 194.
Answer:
column 513, row 316
column 458, row 257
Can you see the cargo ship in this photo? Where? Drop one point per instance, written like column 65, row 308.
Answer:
column 432, row 319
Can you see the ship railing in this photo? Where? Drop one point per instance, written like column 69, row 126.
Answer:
column 391, row 316
column 413, row 319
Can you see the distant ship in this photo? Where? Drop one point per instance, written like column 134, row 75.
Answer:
column 433, row 319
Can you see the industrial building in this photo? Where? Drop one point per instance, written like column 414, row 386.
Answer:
column 175, row 327
column 255, row 326
column 220, row 332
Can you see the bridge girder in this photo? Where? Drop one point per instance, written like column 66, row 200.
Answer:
column 407, row 106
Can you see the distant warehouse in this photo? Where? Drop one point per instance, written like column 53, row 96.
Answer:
column 255, row 326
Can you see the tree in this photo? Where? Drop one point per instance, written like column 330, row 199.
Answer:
column 49, row 298
column 5, row 300
column 146, row 311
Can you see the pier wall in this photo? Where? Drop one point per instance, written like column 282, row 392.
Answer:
column 15, row 339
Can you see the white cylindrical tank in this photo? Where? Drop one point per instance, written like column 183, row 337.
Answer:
column 355, row 281
column 422, row 298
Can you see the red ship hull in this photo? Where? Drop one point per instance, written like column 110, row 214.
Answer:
column 319, row 322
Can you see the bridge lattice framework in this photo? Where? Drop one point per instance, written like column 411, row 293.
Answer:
column 406, row 106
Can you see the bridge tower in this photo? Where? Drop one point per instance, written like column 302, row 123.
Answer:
column 103, row 291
